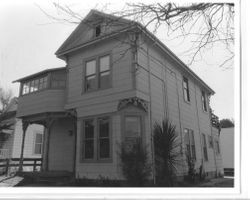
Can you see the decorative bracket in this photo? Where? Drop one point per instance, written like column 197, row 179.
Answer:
column 134, row 101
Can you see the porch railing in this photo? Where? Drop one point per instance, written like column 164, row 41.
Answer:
column 7, row 163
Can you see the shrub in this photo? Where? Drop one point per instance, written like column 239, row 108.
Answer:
column 191, row 169
column 135, row 165
column 167, row 153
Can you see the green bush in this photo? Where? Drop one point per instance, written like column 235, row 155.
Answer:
column 135, row 165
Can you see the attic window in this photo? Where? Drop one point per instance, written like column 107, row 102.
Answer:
column 98, row 30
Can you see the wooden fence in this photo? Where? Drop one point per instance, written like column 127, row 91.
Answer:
column 7, row 163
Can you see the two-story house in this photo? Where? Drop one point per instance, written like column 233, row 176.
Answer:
column 118, row 81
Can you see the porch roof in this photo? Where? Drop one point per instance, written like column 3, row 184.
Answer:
column 39, row 73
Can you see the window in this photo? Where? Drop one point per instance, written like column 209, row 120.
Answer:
column 34, row 85
column 104, row 138
column 89, row 139
column 96, row 139
column 38, row 143
column 186, row 89
column 210, row 141
column 98, row 30
column 204, row 101
column 58, row 80
column 204, row 145
column 104, row 72
column 132, row 130
column 189, row 142
column 100, row 80
column 217, row 147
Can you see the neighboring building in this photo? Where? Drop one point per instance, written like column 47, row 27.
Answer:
column 11, row 139
column 118, row 81
column 227, row 149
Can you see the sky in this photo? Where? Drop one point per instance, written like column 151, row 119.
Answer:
column 29, row 39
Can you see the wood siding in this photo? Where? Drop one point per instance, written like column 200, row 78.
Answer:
column 29, row 140
column 61, row 145
column 100, row 101
column 51, row 100
column 164, row 88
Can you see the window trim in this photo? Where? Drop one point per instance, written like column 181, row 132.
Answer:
column 189, row 141
column 206, row 159
column 97, row 79
column 96, row 158
column 185, row 79
column 204, row 101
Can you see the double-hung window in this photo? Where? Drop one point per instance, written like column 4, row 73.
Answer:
column 97, row 73
column 38, row 146
column 204, row 101
column 189, row 143
column 96, row 139
column 210, row 141
column 186, row 89
column 204, row 145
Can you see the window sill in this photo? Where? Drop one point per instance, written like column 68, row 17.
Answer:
column 108, row 160
column 187, row 102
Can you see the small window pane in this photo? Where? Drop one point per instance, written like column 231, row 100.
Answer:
column 104, row 63
column 105, row 80
column 90, row 67
column 39, row 138
column 89, row 149
column 89, row 129
column 90, row 83
column 104, row 127
column 32, row 86
column 104, row 148
column 132, row 126
column 38, row 149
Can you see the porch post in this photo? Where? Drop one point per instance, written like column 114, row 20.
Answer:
column 24, row 126
column 45, row 157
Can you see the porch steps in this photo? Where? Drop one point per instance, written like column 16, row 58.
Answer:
column 46, row 179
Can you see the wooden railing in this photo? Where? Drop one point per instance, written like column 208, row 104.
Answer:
column 14, row 162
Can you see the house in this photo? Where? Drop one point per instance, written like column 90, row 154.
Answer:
column 226, row 141
column 118, row 81
column 11, row 138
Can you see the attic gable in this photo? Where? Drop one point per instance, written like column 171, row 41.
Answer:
column 94, row 25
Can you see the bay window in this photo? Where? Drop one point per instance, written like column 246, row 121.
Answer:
column 96, row 139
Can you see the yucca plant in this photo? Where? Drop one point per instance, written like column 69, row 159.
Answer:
column 167, row 153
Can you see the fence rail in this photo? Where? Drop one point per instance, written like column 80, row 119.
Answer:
column 14, row 162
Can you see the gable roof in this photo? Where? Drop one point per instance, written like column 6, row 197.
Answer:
column 88, row 21
column 65, row 49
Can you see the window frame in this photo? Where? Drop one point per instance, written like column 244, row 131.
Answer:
column 96, row 158
column 97, row 78
column 186, row 90
column 35, row 143
column 204, row 101
column 204, row 147
column 190, row 133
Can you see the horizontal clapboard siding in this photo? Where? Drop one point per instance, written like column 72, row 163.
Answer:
column 40, row 102
column 167, row 97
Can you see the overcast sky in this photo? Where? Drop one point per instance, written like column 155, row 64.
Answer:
column 28, row 41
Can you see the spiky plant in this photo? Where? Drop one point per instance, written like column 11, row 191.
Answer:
column 167, row 153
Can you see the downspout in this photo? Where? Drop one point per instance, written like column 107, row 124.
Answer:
column 179, row 113
column 197, row 113
column 150, row 116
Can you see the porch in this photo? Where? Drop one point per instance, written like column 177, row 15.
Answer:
column 58, row 149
